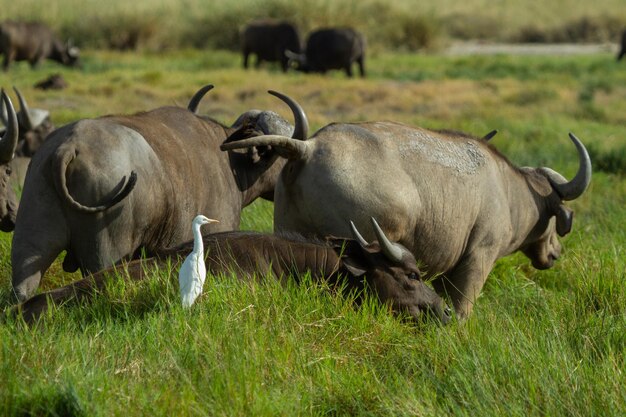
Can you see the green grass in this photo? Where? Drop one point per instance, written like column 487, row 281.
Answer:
column 539, row 343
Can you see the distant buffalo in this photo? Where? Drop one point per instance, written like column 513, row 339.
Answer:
column 622, row 52
column 33, row 42
column 328, row 49
column 269, row 40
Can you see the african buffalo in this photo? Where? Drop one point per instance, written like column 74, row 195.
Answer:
column 455, row 202
column 328, row 49
column 622, row 51
column 387, row 268
column 34, row 42
column 34, row 126
column 109, row 188
column 268, row 40
column 8, row 143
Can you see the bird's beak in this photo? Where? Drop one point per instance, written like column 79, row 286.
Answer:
column 212, row 221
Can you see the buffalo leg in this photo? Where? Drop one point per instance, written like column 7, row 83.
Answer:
column 246, row 54
column 464, row 283
column 38, row 239
column 361, row 66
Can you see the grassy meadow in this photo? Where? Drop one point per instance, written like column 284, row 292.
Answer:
column 539, row 342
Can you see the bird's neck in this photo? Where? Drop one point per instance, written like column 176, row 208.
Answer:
column 198, row 245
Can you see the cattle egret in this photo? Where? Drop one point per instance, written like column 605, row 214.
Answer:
column 193, row 272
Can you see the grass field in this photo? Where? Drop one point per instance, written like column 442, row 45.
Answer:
column 393, row 24
column 539, row 343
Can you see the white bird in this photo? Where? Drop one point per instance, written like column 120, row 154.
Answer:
column 192, row 273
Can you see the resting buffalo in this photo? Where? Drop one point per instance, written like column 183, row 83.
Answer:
column 455, row 202
column 269, row 40
column 34, row 42
column 622, row 51
column 328, row 49
column 387, row 268
column 109, row 188
column 8, row 143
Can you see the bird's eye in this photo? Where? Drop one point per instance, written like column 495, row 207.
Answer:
column 414, row 276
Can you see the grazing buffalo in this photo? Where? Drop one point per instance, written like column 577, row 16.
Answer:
column 109, row 188
column 8, row 143
column 269, row 40
column 328, row 49
column 387, row 268
column 622, row 51
column 455, row 202
column 34, row 42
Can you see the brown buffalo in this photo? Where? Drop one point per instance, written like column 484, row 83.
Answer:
column 386, row 268
column 113, row 187
column 34, row 42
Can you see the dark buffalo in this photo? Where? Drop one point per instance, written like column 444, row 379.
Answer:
column 34, row 42
column 386, row 268
column 622, row 51
column 269, row 40
column 328, row 49
column 109, row 188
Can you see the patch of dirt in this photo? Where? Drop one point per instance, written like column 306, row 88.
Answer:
column 484, row 48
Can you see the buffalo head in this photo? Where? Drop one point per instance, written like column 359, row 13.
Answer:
column 391, row 271
column 552, row 189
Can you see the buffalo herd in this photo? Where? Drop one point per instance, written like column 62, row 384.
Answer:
column 352, row 206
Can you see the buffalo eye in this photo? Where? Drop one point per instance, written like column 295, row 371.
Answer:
column 8, row 171
column 414, row 276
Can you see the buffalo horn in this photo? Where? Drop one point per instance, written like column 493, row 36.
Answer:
column 195, row 100
column 8, row 142
column 574, row 188
column 3, row 110
column 27, row 121
column 490, row 135
column 357, row 235
column 392, row 252
column 301, row 128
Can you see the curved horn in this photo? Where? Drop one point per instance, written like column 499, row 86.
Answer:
column 3, row 109
column 27, row 121
column 301, row 128
column 195, row 100
column 357, row 235
column 574, row 188
column 490, row 135
column 285, row 146
column 392, row 252
column 8, row 142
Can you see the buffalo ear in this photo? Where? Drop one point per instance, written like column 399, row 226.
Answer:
column 352, row 266
column 564, row 219
column 352, row 255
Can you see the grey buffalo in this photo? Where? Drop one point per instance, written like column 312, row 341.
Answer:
column 622, row 51
column 386, row 268
column 328, row 49
column 109, row 188
column 455, row 202
column 34, row 42
column 268, row 40
column 8, row 143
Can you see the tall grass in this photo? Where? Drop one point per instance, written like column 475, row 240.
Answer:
column 397, row 24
